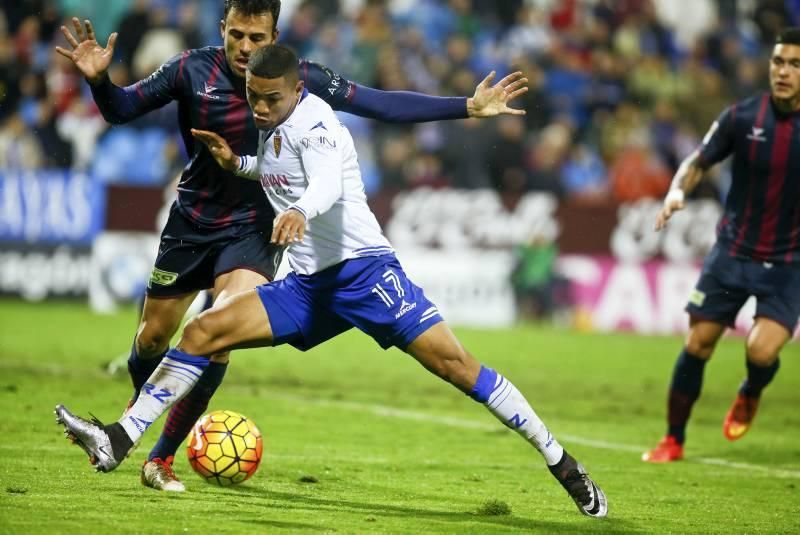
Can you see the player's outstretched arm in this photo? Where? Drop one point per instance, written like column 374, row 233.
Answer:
column 686, row 178
column 85, row 52
column 492, row 100
column 408, row 106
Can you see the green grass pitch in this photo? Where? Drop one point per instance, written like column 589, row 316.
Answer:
column 358, row 440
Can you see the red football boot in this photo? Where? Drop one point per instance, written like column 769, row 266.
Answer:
column 740, row 417
column 668, row 450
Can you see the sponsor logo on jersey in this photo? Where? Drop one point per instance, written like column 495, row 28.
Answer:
column 757, row 134
column 404, row 308
column 322, row 141
column 273, row 180
column 163, row 278
column 276, row 144
column 208, row 91
column 319, row 125
column 335, row 83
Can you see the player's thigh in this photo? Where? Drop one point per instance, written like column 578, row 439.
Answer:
column 703, row 336
column 441, row 353
column 765, row 340
column 777, row 309
column 245, row 262
column 234, row 282
column 719, row 294
column 240, row 321
column 161, row 318
column 228, row 285
column 185, row 260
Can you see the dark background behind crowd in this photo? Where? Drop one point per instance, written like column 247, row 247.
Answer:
column 620, row 90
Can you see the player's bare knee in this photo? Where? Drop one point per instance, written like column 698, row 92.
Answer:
column 197, row 336
column 700, row 346
column 152, row 340
column 761, row 353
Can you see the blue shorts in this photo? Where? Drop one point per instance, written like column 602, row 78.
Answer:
column 372, row 294
column 727, row 282
column 191, row 257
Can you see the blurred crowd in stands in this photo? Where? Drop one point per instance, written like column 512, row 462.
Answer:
column 620, row 90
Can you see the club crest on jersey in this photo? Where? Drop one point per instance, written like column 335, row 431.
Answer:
column 276, row 144
column 757, row 134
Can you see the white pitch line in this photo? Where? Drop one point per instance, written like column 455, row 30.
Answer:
column 392, row 412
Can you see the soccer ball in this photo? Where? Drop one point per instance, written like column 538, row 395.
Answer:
column 225, row 448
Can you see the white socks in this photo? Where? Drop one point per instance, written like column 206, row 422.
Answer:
column 509, row 406
column 174, row 377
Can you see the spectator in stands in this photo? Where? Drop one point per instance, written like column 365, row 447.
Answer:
column 19, row 148
column 616, row 68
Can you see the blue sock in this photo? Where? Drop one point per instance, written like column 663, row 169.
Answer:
column 185, row 413
column 758, row 377
column 141, row 369
column 687, row 381
column 484, row 385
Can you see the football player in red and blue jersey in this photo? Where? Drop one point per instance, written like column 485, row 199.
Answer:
column 757, row 252
column 217, row 236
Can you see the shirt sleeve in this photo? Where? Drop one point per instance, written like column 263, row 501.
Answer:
column 387, row 106
column 123, row 104
column 321, row 155
column 718, row 142
column 249, row 165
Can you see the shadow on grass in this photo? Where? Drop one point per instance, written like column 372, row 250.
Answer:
column 289, row 501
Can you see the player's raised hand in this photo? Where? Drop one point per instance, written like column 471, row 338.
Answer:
column 218, row 148
column 491, row 100
column 288, row 227
column 88, row 56
column 672, row 203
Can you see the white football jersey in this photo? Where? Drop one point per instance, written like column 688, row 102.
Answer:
column 309, row 163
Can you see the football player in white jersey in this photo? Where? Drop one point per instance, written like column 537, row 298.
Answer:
column 345, row 275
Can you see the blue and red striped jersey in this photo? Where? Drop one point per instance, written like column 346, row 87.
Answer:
column 211, row 97
column 761, row 218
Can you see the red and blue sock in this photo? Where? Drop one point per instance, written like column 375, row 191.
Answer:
column 687, row 381
column 758, row 377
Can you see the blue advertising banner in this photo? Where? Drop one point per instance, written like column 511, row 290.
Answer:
column 50, row 207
